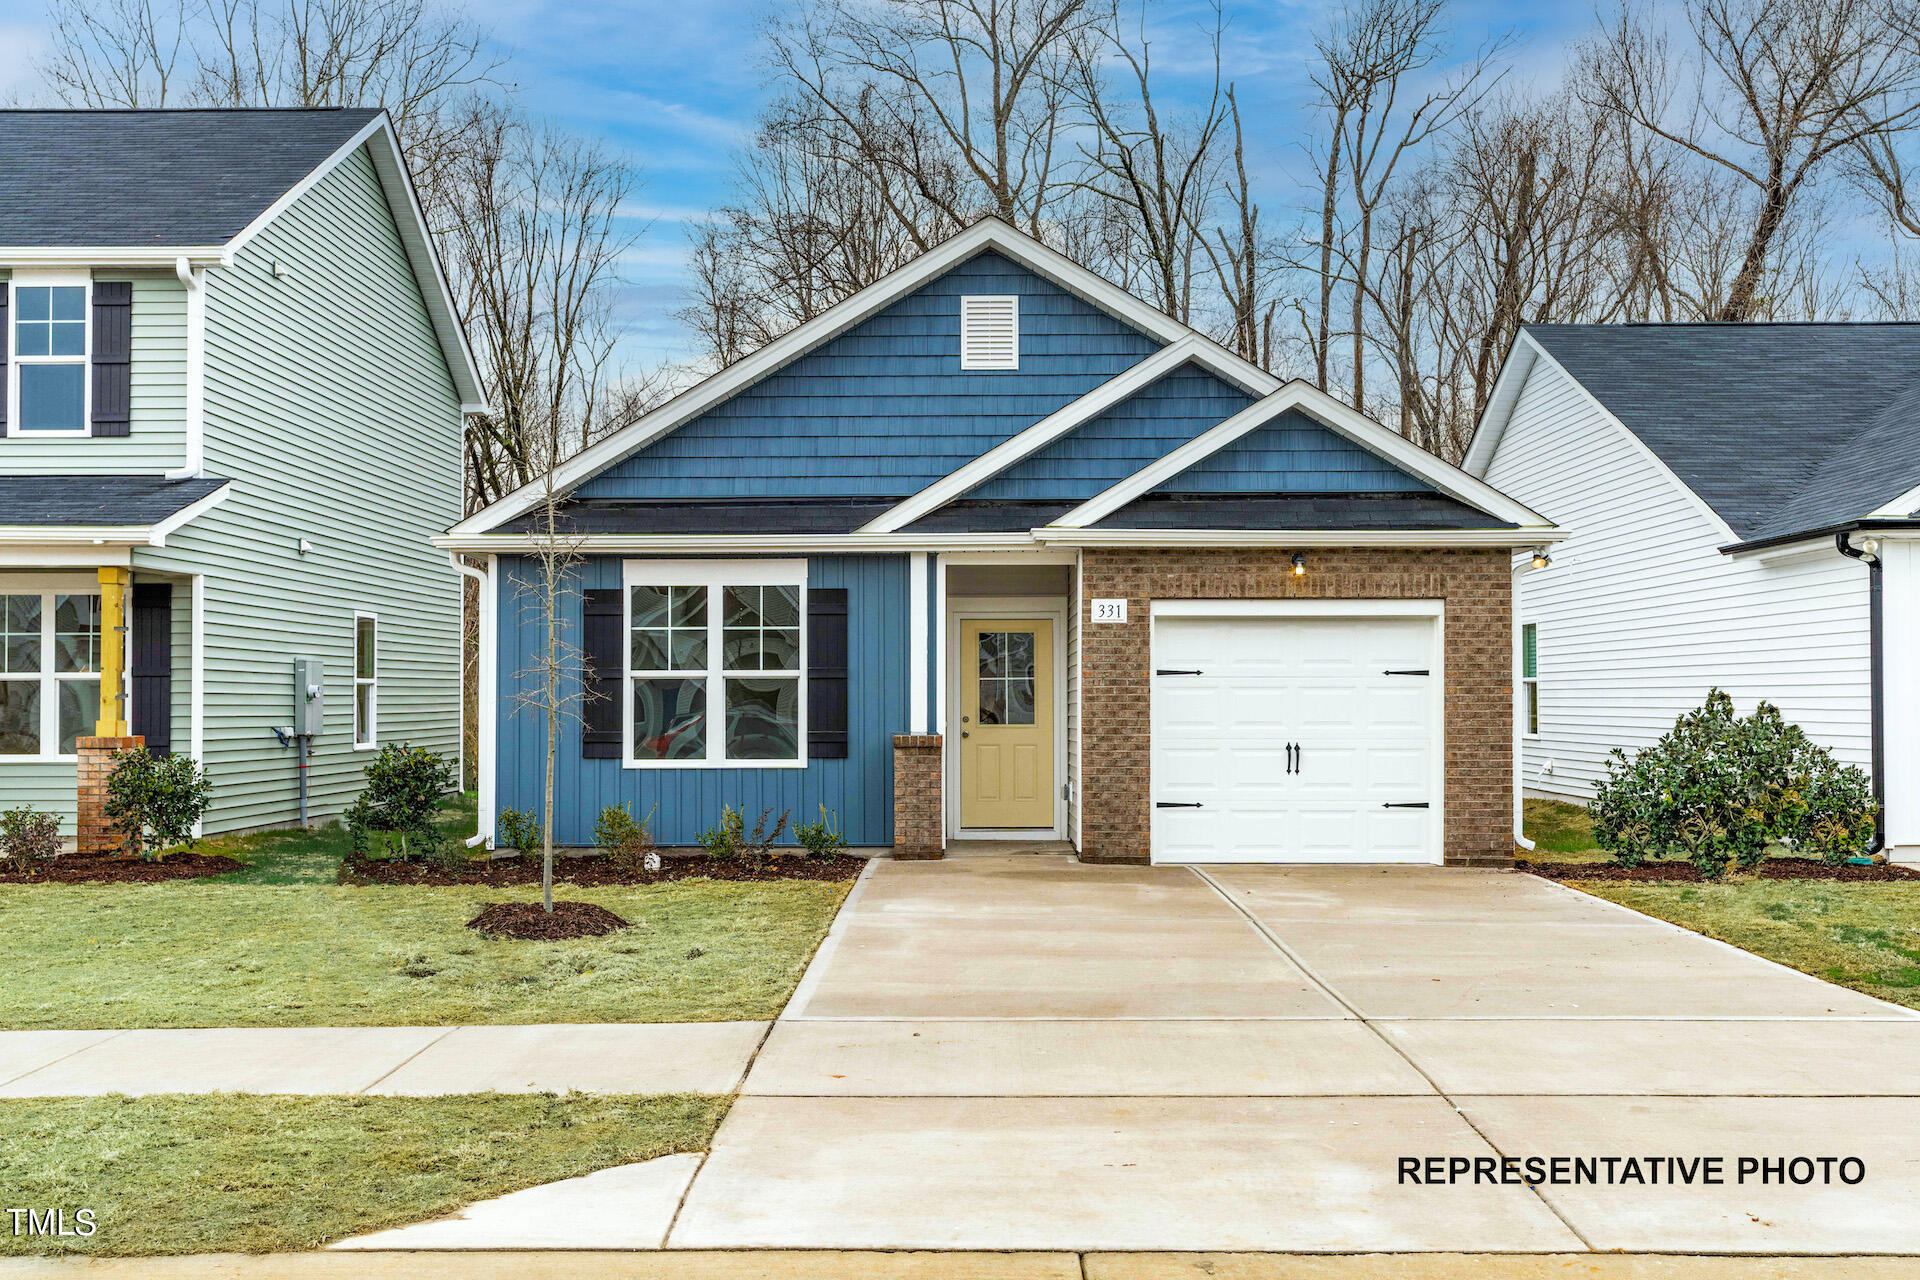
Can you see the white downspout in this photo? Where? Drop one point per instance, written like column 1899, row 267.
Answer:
column 1519, row 714
column 483, row 703
column 196, row 287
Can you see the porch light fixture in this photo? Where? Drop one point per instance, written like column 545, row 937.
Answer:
column 1541, row 559
column 1299, row 565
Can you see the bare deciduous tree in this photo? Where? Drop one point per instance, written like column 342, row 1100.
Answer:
column 1778, row 91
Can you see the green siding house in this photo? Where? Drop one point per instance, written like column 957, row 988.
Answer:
column 233, row 384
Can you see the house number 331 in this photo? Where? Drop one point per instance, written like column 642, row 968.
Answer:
column 1109, row 610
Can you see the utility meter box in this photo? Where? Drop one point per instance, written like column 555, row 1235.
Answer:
column 309, row 696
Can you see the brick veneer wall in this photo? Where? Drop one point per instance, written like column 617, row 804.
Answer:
column 93, row 833
column 1477, row 586
column 917, row 804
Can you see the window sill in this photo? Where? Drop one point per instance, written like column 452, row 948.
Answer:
column 712, row 764
column 366, row 746
column 16, row 759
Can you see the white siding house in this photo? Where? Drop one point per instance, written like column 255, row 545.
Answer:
column 1655, row 597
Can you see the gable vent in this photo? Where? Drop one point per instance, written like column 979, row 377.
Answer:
column 990, row 331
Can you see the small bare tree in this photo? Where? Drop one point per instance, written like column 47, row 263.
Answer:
column 549, row 686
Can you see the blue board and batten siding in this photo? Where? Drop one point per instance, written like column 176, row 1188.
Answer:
column 884, row 409
column 858, row 790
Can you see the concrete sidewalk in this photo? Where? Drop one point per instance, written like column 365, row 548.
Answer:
column 665, row 1057
column 842, row 1265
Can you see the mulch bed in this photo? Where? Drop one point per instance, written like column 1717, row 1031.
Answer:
column 587, row 870
column 76, row 868
column 1686, row 872
column 531, row 922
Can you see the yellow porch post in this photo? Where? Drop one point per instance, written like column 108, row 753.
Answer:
column 113, row 648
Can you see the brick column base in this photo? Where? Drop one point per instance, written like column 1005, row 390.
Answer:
column 917, row 781
column 95, row 833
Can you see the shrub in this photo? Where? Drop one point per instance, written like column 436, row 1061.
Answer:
column 1722, row 788
column 821, row 839
column 627, row 844
column 26, row 832
column 154, row 801
column 731, row 841
column 404, row 787
column 518, row 829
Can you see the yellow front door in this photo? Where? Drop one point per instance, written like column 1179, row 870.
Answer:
column 1006, row 723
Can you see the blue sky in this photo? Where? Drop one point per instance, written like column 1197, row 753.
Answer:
column 676, row 84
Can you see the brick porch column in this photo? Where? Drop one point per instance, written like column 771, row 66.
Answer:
column 95, row 834
column 917, row 779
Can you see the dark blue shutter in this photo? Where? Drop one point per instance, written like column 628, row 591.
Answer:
column 827, row 674
column 600, row 651
column 6, row 339
column 112, row 357
column 153, row 665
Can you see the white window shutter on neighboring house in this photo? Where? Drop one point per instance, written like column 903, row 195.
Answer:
column 990, row 331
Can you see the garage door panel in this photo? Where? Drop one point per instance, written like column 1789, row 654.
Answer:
column 1366, row 739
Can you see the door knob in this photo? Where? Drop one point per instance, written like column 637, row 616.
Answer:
column 964, row 733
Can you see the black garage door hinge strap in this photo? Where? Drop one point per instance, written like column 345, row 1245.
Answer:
column 1164, row 672
column 1421, row 671
column 1415, row 804
column 1177, row 804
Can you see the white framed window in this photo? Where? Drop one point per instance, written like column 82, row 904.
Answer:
column 366, row 681
column 990, row 331
column 715, row 664
column 49, row 668
column 1530, row 676
column 49, row 345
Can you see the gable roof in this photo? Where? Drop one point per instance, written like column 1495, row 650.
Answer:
column 151, row 187
column 1778, row 428
column 197, row 177
column 901, row 522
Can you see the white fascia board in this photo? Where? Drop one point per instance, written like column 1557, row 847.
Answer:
column 1039, row 435
column 715, row 544
column 158, row 531
column 1500, row 406
column 81, row 258
column 1900, row 508
column 1335, row 416
column 988, row 233
column 390, row 165
column 88, row 555
column 119, row 535
column 1298, row 538
column 1698, row 503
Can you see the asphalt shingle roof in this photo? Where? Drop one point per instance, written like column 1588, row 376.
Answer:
column 95, row 501
column 1780, row 428
column 129, row 179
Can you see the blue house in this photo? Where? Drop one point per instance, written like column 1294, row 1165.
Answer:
column 994, row 550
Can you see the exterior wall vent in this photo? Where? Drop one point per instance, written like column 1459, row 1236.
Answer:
column 990, row 331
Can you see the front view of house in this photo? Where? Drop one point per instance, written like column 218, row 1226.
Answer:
column 994, row 550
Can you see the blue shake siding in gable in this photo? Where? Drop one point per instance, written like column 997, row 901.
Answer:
column 1293, row 454
column 1133, row 434
column 858, row 789
column 884, row 409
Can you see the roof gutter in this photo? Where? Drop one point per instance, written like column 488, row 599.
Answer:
column 1771, row 541
column 80, row 257
column 1868, row 553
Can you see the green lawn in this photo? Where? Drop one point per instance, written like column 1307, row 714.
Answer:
column 255, row 1173
column 194, row 954
column 1864, row 936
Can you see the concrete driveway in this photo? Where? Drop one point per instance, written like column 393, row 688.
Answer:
column 1022, row 1052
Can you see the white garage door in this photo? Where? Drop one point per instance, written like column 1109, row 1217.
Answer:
column 1295, row 739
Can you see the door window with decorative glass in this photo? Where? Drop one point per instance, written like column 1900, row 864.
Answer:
column 50, row 356
column 49, row 672
column 1006, row 677
column 730, row 647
